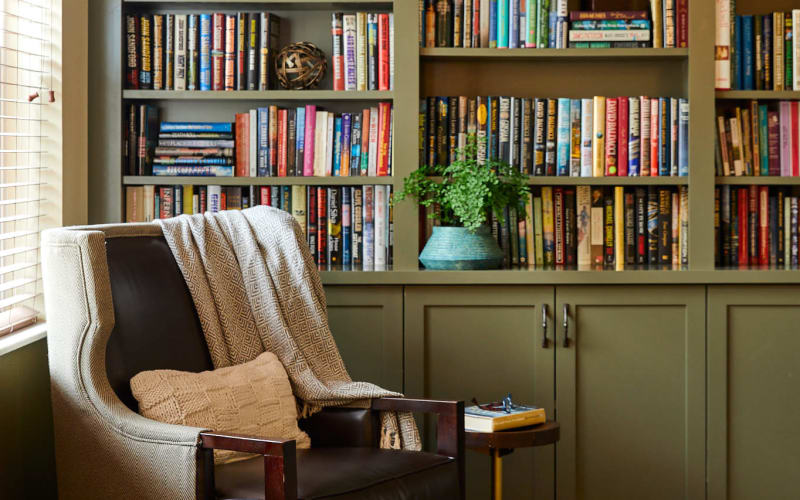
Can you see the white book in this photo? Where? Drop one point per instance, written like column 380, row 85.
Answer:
column 391, row 51
column 796, row 49
column 484, row 24
column 214, row 198
column 195, row 203
column 381, row 227
column 361, row 51
column 180, row 51
column 583, row 201
column 372, row 166
column 253, row 143
column 722, row 46
column 329, row 145
column 368, row 225
column 635, row 35
column 587, row 107
column 149, row 200
column 349, row 43
column 320, row 142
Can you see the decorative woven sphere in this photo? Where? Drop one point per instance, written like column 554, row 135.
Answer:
column 300, row 66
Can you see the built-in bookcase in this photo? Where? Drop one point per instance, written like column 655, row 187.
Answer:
column 422, row 72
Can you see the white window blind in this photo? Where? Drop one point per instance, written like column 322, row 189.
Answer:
column 25, row 80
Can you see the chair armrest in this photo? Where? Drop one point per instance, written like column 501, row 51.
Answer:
column 280, row 461
column 449, row 426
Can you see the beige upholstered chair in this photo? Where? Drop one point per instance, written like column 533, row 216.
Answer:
column 117, row 304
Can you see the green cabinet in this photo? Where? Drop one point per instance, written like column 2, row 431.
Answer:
column 482, row 342
column 753, row 392
column 367, row 324
column 630, row 392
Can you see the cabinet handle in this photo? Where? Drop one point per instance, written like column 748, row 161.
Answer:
column 544, row 326
column 566, row 325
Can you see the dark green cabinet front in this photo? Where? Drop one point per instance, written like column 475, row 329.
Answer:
column 483, row 342
column 754, row 392
column 630, row 392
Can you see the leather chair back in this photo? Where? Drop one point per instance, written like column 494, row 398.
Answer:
column 155, row 322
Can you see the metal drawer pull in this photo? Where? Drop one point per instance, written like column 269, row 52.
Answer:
column 566, row 325
column 544, row 326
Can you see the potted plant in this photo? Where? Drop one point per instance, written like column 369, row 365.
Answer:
column 466, row 193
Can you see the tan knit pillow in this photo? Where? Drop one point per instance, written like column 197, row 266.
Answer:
column 253, row 398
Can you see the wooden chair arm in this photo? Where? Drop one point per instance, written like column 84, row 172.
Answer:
column 280, row 461
column 449, row 426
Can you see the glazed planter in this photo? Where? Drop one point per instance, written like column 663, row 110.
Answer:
column 456, row 248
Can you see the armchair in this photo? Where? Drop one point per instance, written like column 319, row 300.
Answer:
column 117, row 304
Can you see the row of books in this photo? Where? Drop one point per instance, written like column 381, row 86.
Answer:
column 268, row 141
column 363, row 51
column 756, row 226
column 210, row 51
column 348, row 228
column 593, row 137
column 758, row 52
column 584, row 227
column 761, row 138
column 549, row 24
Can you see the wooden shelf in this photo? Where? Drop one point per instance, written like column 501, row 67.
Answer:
column 139, row 180
column 565, row 54
column 259, row 95
column 757, row 94
column 764, row 180
column 284, row 4
column 609, row 181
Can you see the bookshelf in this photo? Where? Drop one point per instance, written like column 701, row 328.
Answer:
column 422, row 72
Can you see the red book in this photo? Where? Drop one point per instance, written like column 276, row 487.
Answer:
column 383, row 52
column 795, row 142
column 476, row 24
column 165, row 207
column 611, row 136
column 230, row 53
column 338, row 51
column 384, row 126
column 622, row 136
column 273, row 140
column 682, row 23
column 217, row 51
column 265, row 196
column 742, row 205
column 763, row 225
column 322, row 227
column 654, row 133
column 283, row 154
column 223, row 200
column 242, row 143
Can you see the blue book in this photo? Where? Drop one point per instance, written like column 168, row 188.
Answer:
column 355, row 146
column 346, row 146
column 683, row 137
column 748, row 54
column 275, row 196
column 191, row 160
column 502, row 24
column 513, row 24
column 552, row 26
column 634, row 143
column 262, row 141
column 205, row 52
column 493, row 24
column 218, row 127
column 300, row 142
column 563, row 137
column 736, row 53
column 337, row 147
column 194, row 170
column 286, row 199
column 347, row 244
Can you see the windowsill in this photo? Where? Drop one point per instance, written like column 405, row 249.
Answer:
column 18, row 340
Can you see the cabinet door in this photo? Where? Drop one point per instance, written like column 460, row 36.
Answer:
column 753, row 393
column 630, row 392
column 483, row 342
column 367, row 324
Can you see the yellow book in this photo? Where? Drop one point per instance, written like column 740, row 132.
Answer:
column 489, row 420
column 599, row 137
column 188, row 199
column 299, row 206
column 619, row 228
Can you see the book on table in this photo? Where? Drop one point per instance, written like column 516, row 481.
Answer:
column 479, row 419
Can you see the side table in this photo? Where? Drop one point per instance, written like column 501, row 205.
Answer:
column 501, row 443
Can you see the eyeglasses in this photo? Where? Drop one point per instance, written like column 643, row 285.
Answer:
column 506, row 405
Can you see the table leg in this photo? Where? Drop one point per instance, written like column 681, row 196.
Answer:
column 497, row 474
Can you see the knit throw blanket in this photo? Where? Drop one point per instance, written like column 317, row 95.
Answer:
column 256, row 288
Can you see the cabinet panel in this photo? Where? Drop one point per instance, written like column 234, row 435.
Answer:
column 367, row 324
column 483, row 342
column 630, row 392
column 754, row 409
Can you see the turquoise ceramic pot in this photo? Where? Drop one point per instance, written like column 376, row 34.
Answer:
column 455, row 248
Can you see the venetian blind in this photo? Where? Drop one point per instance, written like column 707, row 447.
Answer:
column 25, row 70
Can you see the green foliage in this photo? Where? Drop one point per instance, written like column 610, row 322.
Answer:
column 466, row 191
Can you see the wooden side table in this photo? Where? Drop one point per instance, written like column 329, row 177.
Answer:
column 501, row 443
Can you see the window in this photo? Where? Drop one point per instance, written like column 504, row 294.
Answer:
column 25, row 81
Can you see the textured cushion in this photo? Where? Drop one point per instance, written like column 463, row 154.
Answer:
column 350, row 473
column 253, row 398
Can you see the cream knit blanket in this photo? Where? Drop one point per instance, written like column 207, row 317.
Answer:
column 256, row 289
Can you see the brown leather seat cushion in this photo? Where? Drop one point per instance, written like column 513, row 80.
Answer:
column 351, row 474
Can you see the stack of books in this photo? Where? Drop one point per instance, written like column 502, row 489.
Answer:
column 756, row 226
column 194, row 149
column 593, row 137
column 757, row 52
column 363, row 51
column 201, row 51
column 609, row 29
column 595, row 228
column 759, row 139
column 348, row 228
